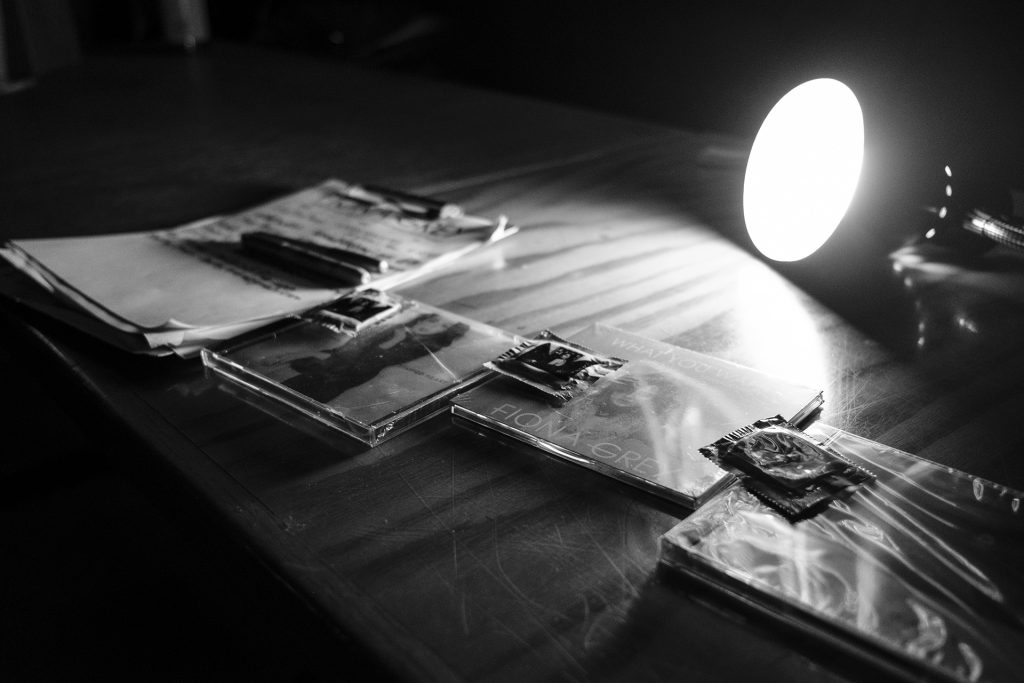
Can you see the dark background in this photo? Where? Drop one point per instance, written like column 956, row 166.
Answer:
column 939, row 81
column 939, row 70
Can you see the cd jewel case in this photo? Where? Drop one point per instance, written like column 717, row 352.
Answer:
column 918, row 571
column 644, row 423
column 371, row 378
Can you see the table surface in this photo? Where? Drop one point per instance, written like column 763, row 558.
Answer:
column 445, row 554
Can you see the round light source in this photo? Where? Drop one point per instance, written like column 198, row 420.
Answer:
column 803, row 169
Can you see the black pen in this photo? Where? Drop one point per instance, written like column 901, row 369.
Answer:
column 307, row 257
column 410, row 204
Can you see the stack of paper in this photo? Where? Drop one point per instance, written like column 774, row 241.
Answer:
column 178, row 290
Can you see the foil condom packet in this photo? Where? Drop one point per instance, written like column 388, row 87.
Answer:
column 354, row 311
column 783, row 466
column 557, row 368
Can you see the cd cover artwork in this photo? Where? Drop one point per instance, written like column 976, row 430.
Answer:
column 645, row 422
column 370, row 380
column 918, row 571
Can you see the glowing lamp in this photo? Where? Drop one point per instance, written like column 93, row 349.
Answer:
column 803, row 169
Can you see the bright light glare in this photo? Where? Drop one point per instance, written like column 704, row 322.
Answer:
column 803, row 169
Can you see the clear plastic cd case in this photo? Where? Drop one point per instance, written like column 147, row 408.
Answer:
column 918, row 571
column 370, row 364
column 644, row 422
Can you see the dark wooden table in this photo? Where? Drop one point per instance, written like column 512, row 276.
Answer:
column 446, row 555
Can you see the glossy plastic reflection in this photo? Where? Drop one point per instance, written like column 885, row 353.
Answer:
column 920, row 570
